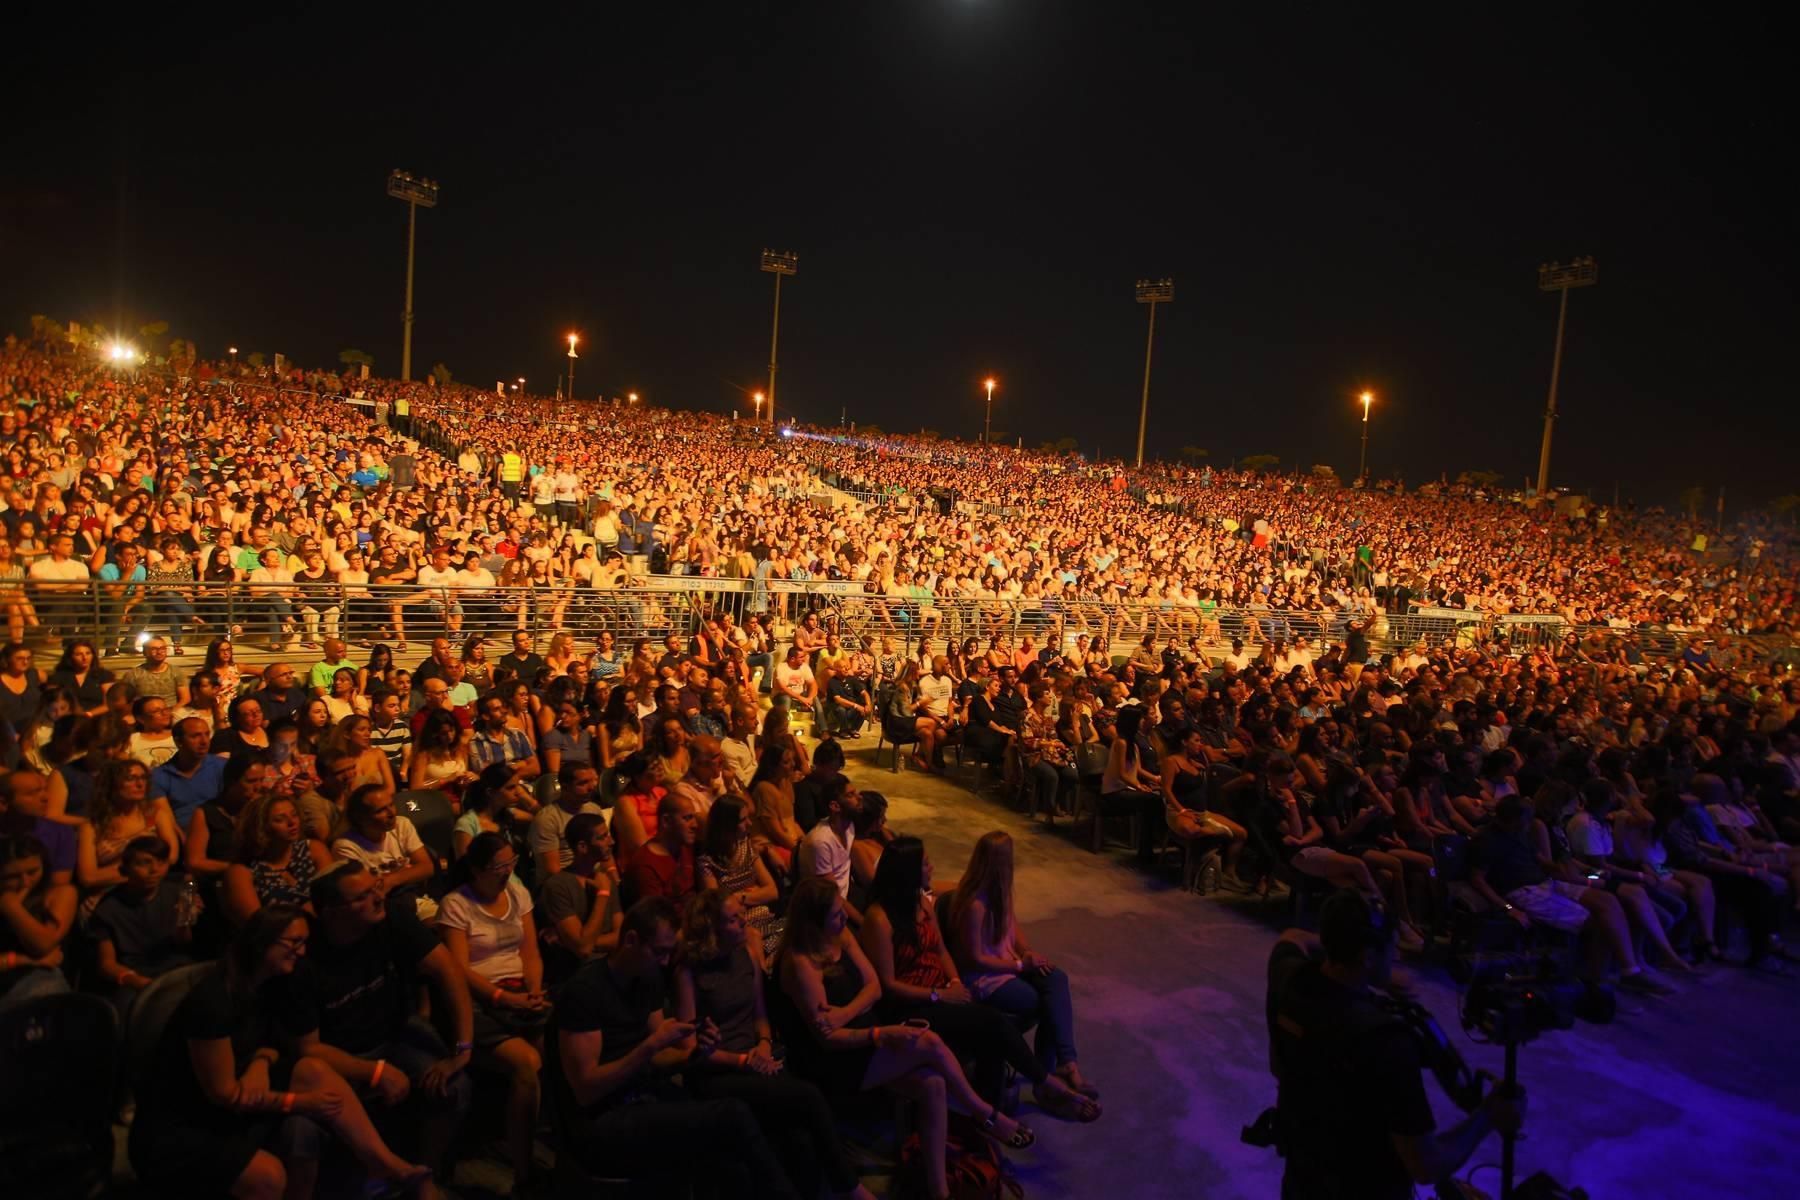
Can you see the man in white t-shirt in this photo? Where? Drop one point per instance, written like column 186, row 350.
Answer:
column 936, row 689
column 385, row 842
column 440, row 579
column 1239, row 658
column 825, row 850
column 795, row 686
column 567, row 490
column 543, row 496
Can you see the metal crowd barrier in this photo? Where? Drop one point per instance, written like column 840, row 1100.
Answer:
column 122, row 614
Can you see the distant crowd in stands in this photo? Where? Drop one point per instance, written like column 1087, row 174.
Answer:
column 620, row 872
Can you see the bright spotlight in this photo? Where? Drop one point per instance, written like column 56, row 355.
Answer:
column 787, row 431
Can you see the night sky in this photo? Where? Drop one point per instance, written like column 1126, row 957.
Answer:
column 1344, row 201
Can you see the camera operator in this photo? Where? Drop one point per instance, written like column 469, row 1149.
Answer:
column 1352, row 1117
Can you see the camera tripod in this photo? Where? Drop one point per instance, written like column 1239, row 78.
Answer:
column 1540, row 1186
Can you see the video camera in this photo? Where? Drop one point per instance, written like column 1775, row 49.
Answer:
column 1511, row 998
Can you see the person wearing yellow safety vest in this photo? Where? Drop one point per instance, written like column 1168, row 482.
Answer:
column 511, row 469
column 403, row 414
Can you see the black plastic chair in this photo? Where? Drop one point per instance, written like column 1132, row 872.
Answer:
column 434, row 816
column 59, row 1058
column 898, row 740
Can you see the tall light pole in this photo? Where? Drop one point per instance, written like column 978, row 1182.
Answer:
column 987, row 425
column 572, row 356
column 418, row 193
column 777, row 263
column 1362, row 468
column 1557, row 277
column 1152, row 292
column 758, row 398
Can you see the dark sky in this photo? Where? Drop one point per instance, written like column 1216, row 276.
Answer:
column 972, row 186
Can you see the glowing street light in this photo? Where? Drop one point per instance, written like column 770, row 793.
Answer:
column 758, row 398
column 1362, row 470
column 631, row 397
column 572, row 357
column 233, row 352
column 521, row 383
column 987, row 424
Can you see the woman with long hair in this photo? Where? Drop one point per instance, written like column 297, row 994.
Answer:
column 620, row 732
column 906, row 713
column 477, row 671
column 439, row 761
column 36, row 914
column 901, row 938
column 485, row 920
column 314, row 722
column 776, row 731
column 718, row 978
column 1000, row 969
column 221, row 660
column 494, row 803
column 381, row 661
column 79, row 672
column 19, row 684
column 729, row 863
column 227, row 1112
column 668, row 745
column 1126, row 785
column 121, row 809
column 1185, row 807
column 275, row 861
column 772, row 799
column 640, row 799
column 825, row 1007
column 13, row 599
column 354, row 735
column 345, row 699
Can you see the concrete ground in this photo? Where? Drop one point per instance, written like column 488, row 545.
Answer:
column 1696, row 1095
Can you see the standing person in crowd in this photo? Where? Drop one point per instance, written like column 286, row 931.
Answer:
column 228, row 1110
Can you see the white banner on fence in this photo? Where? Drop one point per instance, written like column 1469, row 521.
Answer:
column 819, row 587
column 690, row 583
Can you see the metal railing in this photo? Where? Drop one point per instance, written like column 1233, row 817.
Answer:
column 120, row 615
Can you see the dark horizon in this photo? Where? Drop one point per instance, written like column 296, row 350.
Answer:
column 972, row 187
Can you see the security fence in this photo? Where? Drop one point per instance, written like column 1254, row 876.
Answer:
column 118, row 616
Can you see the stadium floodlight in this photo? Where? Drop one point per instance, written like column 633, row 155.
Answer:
column 777, row 263
column 418, row 193
column 573, row 338
column 1152, row 292
column 1559, row 277
column 987, row 424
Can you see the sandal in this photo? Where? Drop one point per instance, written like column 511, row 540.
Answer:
column 1084, row 1087
column 1022, row 1137
column 1071, row 1106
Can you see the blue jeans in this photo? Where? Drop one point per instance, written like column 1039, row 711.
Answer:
column 1045, row 996
column 173, row 612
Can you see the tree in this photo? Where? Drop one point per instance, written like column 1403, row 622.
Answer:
column 1192, row 453
column 1787, row 506
column 1325, row 471
column 1259, row 462
column 871, row 430
column 441, row 373
column 1480, row 479
column 1066, row 445
column 356, row 358
column 1692, row 498
column 256, row 359
column 153, row 331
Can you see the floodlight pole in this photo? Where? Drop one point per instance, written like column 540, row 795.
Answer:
column 418, row 193
column 777, row 263
column 1557, row 277
column 1151, row 292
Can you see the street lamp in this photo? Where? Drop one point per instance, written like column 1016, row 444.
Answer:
column 777, row 263
column 233, row 352
column 521, row 384
column 572, row 357
column 1557, row 277
column 987, row 425
column 758, row 398
column 418, row 193
column 1362, row 469
column 631, row 397
column 1152, row 292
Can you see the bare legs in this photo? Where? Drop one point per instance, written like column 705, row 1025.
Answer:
column 520, row 1061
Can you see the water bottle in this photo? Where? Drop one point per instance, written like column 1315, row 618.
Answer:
column 187, row 904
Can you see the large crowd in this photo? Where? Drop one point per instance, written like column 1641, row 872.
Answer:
column 647, row 906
